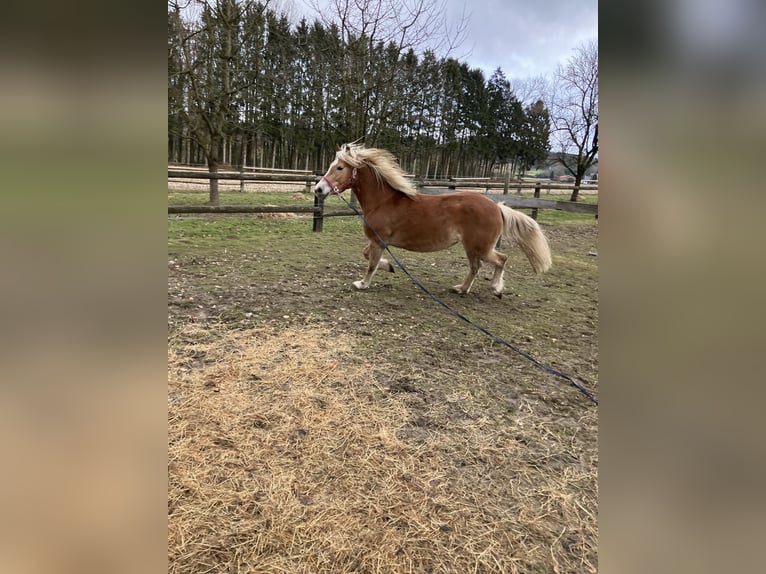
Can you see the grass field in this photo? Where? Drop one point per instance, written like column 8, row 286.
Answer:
column 315, row 428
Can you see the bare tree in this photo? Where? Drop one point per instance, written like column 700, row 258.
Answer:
column 531, row 89
column 574, row 112
column 202, row 44
column 408, row 24
column 369, row 27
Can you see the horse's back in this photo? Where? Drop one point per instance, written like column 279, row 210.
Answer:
column 470, row 211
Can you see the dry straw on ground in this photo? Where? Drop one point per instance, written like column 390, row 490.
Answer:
column 287, row 456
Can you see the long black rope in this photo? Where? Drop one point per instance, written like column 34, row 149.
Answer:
column 462, row 317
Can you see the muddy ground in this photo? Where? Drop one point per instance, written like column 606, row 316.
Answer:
column 250, row 272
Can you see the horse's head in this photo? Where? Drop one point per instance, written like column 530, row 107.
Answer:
column 340, row 175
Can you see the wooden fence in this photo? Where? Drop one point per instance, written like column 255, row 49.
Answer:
column 424, row 186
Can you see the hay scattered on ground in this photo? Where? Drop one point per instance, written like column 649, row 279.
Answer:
column 275, row 215
column 286, row 456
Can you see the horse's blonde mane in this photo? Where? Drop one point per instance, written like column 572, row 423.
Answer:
column 382, row 163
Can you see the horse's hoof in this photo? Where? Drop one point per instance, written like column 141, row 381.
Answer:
column 457, row 289
column 498, row 295
column 360, row 285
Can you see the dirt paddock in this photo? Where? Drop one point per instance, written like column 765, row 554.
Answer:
column 317, row 429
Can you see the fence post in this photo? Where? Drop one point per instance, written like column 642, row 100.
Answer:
column 537, row 195
column 242, row 181
column 507, row 181
column 318, row 215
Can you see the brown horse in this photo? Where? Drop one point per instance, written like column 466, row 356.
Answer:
column 404, row 218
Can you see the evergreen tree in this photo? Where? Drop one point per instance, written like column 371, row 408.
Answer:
column 534, row 136
column 504, row 120
column 246, row 86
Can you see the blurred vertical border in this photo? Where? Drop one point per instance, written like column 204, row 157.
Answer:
column 683, row 126
column 82, row 287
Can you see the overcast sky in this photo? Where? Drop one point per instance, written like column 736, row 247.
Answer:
column 523, row 37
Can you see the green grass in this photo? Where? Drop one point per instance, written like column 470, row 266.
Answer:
column 206, row 234
column 556, row 216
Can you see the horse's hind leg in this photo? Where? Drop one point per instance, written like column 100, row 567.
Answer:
column 498, row 260
column 373, row 253
column 475, row 263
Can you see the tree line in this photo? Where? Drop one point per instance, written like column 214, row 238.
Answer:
column 246, row 87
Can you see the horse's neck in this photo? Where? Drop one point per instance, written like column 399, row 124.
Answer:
column 370, row 192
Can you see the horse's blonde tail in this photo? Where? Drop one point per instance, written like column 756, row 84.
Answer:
column 526, row 233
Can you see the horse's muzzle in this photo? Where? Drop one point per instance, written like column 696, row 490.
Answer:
column 323, row 188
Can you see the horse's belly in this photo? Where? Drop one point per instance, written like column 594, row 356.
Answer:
column 427, row 242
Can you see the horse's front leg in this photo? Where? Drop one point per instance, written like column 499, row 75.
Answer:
column 373, row 253
column 383, row 263
column 475, row 264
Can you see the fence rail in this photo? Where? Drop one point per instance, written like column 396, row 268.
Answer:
column 424, row 186
column 279, row 177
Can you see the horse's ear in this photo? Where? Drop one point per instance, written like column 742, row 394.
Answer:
column 337, row 148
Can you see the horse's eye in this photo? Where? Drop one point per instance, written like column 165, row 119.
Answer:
column 340, row 167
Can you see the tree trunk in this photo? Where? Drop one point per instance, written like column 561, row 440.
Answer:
column 186, row 153
column 212, row 165
column 576, row 190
